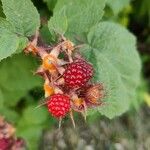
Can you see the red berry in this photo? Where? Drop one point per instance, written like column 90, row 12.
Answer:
column 5, row 144
column 78, row 73
column 58, row 105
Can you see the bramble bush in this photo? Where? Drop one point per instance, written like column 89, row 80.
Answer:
column 109, row 46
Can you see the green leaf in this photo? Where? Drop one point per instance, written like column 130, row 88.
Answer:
column 112, row 50
column 58, row 23
column 6, row 26
column 17, row 78
column 23, row 15
column 31, row 135
column 117, row 5
column 18, row 73
column 81, row 15
column 10, row 115
column 8, row 40
column 22, row 44
column 11, row 98
column 31, row 124
column 9, row 37
column 34, row 116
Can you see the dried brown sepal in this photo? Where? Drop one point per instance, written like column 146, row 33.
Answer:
column 95, row 94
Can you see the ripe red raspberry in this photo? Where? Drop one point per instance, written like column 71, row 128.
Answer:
column 58, row 105
column 78, row 73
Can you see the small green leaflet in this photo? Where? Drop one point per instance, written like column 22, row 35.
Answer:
column 111, row 49
column 23, row 15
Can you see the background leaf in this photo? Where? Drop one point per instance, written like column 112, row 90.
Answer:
column 78, row 13
column 113, row 53
column 23, row 15
column 31, row 124
column 17, row 78
column 20, row 73
column 30, row 115
column 10, row 114
column 31, row 135
column 11, row 98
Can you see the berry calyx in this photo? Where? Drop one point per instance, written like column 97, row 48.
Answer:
column 59, row 105
column 94, row 93
column 78, row 73
column 48, row 62
column 49, row 90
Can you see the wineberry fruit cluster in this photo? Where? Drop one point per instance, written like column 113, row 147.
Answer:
column 67, row 75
